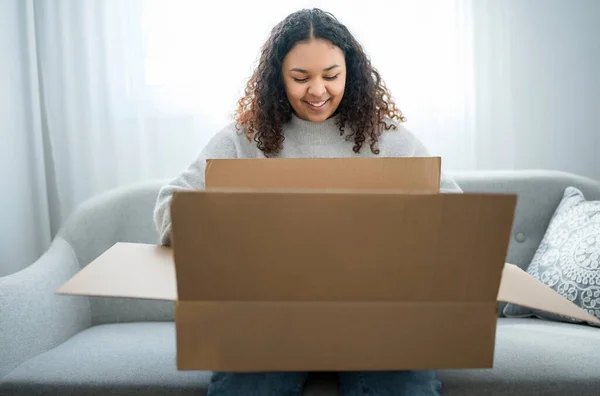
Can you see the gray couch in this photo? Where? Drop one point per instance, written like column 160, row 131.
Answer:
column 52, row 344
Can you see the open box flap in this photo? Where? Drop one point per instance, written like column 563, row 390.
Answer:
column 134, row 270
column 131, row 270
column 518, row 287
column 411, row 173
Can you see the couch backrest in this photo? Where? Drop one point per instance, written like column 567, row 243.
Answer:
column 539, row 193
column 125, row 215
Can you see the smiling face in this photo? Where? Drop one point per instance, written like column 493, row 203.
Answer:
column 314, row 75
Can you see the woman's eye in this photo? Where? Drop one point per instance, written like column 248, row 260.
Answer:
column 303, row 80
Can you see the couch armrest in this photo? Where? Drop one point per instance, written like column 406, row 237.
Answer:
column 33, row 319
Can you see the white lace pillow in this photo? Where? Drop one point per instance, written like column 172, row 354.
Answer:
column 568, row 258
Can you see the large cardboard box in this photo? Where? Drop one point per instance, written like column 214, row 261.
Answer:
column 328, row 265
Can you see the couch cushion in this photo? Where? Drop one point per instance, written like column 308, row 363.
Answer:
column 534, row 357
column 119, row 359
column 133, row 358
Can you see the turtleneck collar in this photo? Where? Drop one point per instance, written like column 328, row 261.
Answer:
column 309, row 132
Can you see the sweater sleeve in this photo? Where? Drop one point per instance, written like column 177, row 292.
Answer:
column 221, row 145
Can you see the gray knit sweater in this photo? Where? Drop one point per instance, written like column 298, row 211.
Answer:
column 303, row 139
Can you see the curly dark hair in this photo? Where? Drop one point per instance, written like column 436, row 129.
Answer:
column 366, row 102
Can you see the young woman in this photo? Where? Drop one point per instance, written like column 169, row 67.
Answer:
column 314, row 94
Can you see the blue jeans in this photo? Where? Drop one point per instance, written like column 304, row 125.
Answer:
column 375, row 383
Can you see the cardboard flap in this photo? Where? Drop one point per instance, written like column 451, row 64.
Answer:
column 409, row 174
column 268, row 246
column 518, row 287
column 130, row 270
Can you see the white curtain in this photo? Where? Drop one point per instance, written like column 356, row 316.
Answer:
column 102, row 93
column 24, row 208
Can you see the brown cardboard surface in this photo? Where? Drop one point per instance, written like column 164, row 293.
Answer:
column 131, row 270
column 324, row 336
column 370, row 264
column 414, row 173
column 280, row 246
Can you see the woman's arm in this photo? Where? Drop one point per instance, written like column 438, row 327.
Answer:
column 221, row 145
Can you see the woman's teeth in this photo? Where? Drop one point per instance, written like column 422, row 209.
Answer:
column 317, row 104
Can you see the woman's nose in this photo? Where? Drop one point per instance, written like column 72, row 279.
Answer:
column 316, row 89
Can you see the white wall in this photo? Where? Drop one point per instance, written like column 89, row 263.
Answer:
column 20, row 149
column 543, row 71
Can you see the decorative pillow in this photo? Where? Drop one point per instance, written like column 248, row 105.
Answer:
column 568, row 258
